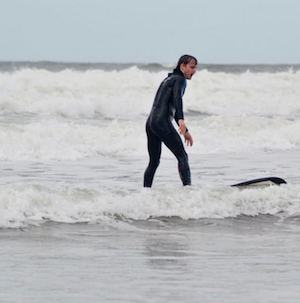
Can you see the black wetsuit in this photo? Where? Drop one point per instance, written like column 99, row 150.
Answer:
column 167, row 106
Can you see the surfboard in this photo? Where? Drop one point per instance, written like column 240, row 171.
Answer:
column 261, row 182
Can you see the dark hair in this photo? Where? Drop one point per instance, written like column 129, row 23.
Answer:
column 185, row 59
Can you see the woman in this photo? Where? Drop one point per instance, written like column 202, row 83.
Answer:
column 167, row 106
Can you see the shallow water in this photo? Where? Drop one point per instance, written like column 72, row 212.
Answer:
column 160, row 260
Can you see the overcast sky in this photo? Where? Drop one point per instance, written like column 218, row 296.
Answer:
column 146, row 31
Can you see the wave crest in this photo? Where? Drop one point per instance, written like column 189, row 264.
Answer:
column 24, row 205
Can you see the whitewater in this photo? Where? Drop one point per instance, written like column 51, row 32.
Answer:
column 73, row 151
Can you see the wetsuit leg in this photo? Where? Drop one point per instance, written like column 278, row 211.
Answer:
column 174, row 143
column 154, row 150
column 172, row 140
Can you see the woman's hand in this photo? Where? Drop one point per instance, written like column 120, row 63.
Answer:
column 188, row 139
column 187, row 136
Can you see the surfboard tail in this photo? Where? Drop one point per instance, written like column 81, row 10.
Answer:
column 261, row 182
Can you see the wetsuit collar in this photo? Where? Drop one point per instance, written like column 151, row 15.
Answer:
column 176, row 71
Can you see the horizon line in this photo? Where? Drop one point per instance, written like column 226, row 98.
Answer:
column 133, row 63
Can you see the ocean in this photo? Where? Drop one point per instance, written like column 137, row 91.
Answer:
column 76, row 225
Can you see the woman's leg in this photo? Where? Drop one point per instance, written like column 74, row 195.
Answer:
column 173, row 141
column 154, row 150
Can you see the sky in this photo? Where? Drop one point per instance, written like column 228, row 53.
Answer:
column 151, row 31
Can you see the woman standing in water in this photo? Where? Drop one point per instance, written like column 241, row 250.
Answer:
column 167, row 106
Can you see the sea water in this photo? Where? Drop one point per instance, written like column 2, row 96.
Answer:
column 76, row 224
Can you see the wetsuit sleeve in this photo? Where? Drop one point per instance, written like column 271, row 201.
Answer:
column 178, row 91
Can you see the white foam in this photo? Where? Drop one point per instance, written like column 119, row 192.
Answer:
column 129, row 93
column 69, row 141
column 248, row 112
column 57, row 140
column 217, row 134
column 21, row 205
column 78, row 94
column 255, row 94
